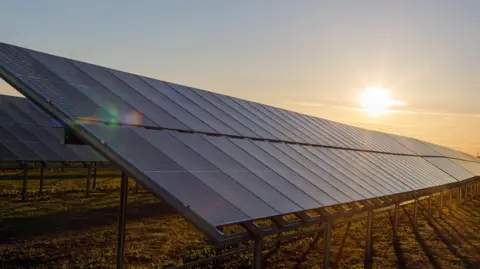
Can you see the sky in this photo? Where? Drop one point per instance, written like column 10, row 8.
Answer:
column 314, row 57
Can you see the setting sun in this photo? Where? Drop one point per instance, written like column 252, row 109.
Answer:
column 377, row 101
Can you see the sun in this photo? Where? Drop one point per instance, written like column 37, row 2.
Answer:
column 376, row 101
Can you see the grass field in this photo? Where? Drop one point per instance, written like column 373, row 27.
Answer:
column 63, row 229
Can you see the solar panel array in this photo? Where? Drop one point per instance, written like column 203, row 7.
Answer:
column 29, row 134
column 219, row 159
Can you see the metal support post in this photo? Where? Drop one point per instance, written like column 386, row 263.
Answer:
column 122, row 218
column 395, row 222
column 430, row 209
column 327, row 243
column 450, row 199
column 440, row 213
column 136, row 187
column 459, row 198
column 25, row 181
column 94, row 184
column 89, row 175
column 257, row 253
column 466, row 191
column 41, row 180
column 368, row 241
column 415, row 212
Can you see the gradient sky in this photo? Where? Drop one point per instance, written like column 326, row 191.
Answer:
column 309, row 56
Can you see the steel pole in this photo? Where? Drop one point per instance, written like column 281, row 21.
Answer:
column 89, row 175
column 94, row 184
column 440, row 213
column 395, row 222
column 415, row 212
column 257, row 253
column 327, row 243
column 25, row 181
column 450, row 199
column 430, row 209
column 41, row 180
column 466, row 191
column 122, row 218
column 459, row 196
column 369, row 244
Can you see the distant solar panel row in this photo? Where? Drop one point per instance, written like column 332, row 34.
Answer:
column 20, row 111
column 87, row 91
column 29, row 134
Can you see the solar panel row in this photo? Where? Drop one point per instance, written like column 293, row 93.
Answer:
column 472, row 167
column 87, row 91
column 29, row 134
column 20, row 111
column 236, row 163
column 228, row 180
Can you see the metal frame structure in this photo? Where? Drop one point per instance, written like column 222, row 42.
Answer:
column 25, row 167
column 366, row 211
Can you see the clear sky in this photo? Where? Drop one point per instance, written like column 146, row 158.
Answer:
column 314, row 57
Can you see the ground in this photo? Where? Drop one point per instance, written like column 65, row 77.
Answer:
column 63, row 229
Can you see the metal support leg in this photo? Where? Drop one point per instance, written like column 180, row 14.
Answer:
column 450, row 199
column 415, row 213
column 369, row 244
column 440, row 213
column 459, row 198
column 430, row 209
column 94, row 184
column 395, row 222
column 89, row 175
column 25, row 181
column 257, row 253
column 122, row 218
column 327, row 243
column 41, row 181
column 466, row 191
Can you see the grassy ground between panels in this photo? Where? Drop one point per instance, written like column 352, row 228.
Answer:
column 63, row 229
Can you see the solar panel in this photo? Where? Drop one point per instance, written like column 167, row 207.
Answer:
column 472, row 167
column 450, row 167
column 416, row 146
column 6, row 154
column 217, row 159
column 31, row 135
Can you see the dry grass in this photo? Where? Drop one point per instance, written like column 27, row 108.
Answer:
column 63, row 229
